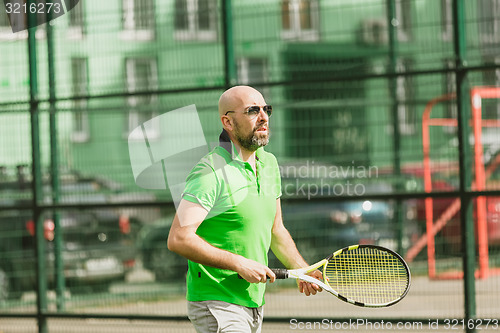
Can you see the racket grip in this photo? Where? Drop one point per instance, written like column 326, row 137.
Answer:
column 281, row 273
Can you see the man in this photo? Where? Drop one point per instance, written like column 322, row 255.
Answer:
column 229, row 217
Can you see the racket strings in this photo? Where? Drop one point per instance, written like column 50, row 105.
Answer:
column 367, row 275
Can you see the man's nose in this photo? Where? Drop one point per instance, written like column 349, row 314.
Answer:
column 263, row 114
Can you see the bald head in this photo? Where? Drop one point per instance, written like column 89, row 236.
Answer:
column 239, row 97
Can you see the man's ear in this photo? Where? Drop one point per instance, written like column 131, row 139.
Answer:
column 227, row 123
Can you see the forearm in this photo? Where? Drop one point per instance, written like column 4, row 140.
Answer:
column 195, row 248
column 183, row 240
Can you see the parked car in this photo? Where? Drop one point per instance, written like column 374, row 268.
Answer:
column 152, row 244
column 320, row 227
column 320, row 223
column 98, row 245
column 317, row 226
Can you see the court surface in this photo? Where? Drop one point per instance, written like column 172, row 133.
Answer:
column 426, row 300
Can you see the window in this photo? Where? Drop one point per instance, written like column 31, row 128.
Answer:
column 138, row 19
column 450, row 87
column 491, row 106
column 403, row 15
column 489, row 21
column 446, row 20
column 141, row 77
column 300, row 19
column 19, row 23
column 404, row 95
column 195, row 19
column 76, row 22
column 252, row 71
column 79, row 86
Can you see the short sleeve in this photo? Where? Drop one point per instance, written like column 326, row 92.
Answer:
column 201, row 185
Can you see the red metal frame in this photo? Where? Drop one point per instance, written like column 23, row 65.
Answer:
column 477, row 94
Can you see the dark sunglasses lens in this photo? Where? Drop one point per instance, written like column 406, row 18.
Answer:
column 268, row 109
column 253, row 110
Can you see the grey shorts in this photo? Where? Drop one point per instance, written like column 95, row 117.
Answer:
column 222, row 317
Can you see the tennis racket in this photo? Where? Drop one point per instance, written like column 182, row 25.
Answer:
column 363, row 275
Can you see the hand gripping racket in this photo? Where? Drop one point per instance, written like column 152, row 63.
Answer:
column 363, row 275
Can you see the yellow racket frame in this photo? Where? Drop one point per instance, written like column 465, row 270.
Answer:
column 301, row 274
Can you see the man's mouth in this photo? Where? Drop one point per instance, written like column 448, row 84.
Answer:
column 262, row 129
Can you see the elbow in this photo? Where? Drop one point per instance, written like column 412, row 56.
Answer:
column 177, row 242
column 173, row 243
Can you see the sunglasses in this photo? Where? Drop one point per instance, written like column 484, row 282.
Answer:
column 254, row 110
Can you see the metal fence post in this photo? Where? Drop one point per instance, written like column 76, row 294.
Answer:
column 392, row 24
column 227, row 33
column 36, row 177
column 54, row 168
column 466, row 219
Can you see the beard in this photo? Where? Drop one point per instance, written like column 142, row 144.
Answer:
column 253, row 140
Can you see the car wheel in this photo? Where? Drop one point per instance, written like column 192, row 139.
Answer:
column 4, row 286
column 167, row 265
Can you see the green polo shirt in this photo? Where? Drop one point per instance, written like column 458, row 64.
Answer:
column 241, row 208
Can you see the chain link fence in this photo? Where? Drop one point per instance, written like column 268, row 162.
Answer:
column 375, row 126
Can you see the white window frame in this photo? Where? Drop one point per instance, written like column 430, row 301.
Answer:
column 403, row 15
column 244, row 73
column 487, row 76
column 447, row 20
column 488, row 12
column 497, row 83
column 193, row 32
column 134, row 119
column 243, row 69
column 80, row 89
column 296, row 32
column 76, row 30
column 130, row 29
column 451, row 87
column 406, row 113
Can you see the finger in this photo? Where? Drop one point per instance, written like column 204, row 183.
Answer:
column 311, row 289
column 319, row 276
column 254, row 279
column 300, row 285
column 271, row 275
column 316, row 287
column 250, row 278
column 305, row 287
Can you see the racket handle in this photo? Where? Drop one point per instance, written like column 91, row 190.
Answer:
column 281, row 273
